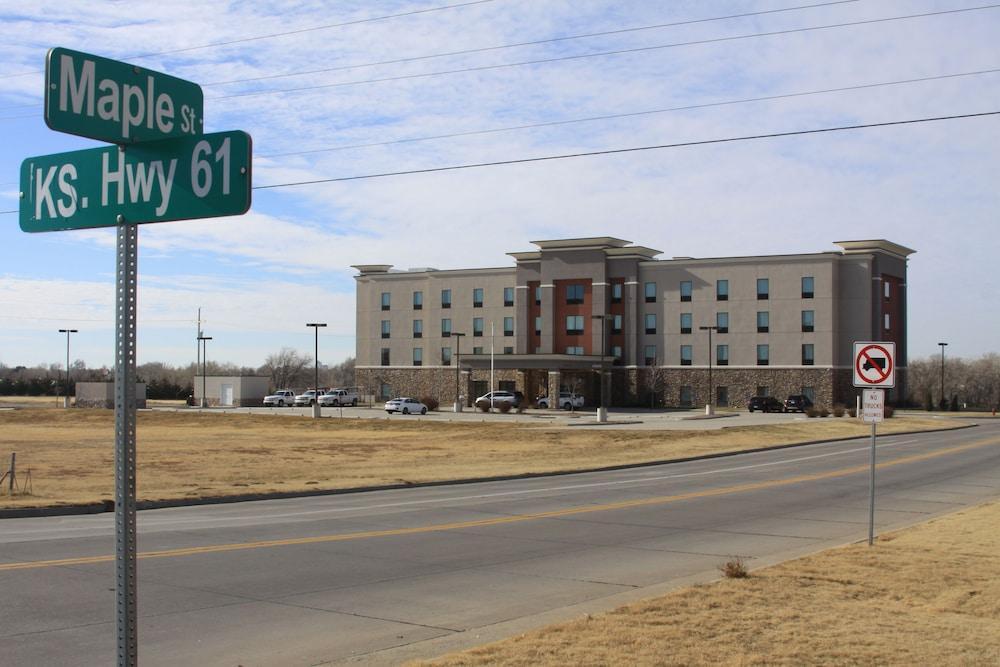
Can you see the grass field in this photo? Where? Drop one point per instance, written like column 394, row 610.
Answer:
column 927, row 595
column 188, row 455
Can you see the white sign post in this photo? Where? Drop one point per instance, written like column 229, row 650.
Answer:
column 872, row 412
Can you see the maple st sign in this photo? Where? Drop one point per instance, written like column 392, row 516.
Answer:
column 116, row 102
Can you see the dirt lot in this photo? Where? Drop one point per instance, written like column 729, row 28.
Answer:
column 186, row 455
column 927, row 595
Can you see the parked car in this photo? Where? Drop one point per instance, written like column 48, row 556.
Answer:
column 797, row 403
column 566, row 401
column 280, row 399
column 308, row 397
column 765, row 404
column 498, row 397
column 405, row 405
column 339, row 397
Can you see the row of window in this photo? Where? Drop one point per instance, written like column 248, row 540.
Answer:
column 808, row 322
column 722, row 355
column 418, row 355
column 575, row 293
column 446, row 332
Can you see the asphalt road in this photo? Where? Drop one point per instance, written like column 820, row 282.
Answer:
column 381, row 577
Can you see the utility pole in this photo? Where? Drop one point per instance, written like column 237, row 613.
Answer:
column 942, row 404
column 710, row 406
column 458, row 364
column 204, row 365
column 67, row 332
column 315, row 406
column 602, row 412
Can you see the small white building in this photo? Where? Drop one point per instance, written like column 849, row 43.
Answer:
column 232, row 391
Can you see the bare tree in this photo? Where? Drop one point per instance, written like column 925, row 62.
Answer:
column 341, row 375
column 285, row 368
column 656, row 378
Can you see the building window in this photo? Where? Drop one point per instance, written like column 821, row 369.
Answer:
column 616, row 324
column 508, row 350
column 538, row 325
column 808, row 354
column 763, row 321
column 686, row 398
column 722, row 290
column 722, row 355
column 445, row 328
column 574, row 325
column 508, row 326
column 477, row 350
column 685, row 355
column 722, row 322
column 685, row 290
column 446, row 356
column 446, row 298
column 385, row 356
column 508, row 296
column 685, row 323
column 649, row 355
column 722, row 397
column 418, row 328
column 810, row 393
column 763, row 390
column 886, row 319
column 574, row 294
column 418, row 356
column 650, row 289
column 574, row 350
column 808, row 283
column 651, row 323
column 385, row 391
column 477, row 326
column 386, row 300
column 418, row 301
column 616, row 351
column 477, row 297
column 763, row 289
column 808, row 320
column 616, row 293
column 538, row 296
column 386, row 330
column 763, row 355
column 887, row 287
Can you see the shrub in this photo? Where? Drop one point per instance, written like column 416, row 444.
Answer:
column 431, row 403
column 812, row 412
column 824, row 412
column 839, row 410
column 889, row 410
column 504, row 407
column 853, row 412
column 734, row 568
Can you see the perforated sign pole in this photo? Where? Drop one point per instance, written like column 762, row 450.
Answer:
column 871, row 493
column 125, row 538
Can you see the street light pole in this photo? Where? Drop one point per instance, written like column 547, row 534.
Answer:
column 458, row 363
column 315, row 405
column 710, row 406
column 67, row 332
column 602, row 412
column 204, row 365
column 942, row 404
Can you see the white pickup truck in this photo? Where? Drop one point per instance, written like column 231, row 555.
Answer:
column 339, row 397
column 280, row 399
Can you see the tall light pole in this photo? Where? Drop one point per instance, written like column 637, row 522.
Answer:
column 458, row 363
column 204, row 365
column 943, row 345
column 602, row 412
column 710, row 406
column 315, row 405
column 67, row 332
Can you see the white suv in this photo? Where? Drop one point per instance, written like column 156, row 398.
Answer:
column 566, row 401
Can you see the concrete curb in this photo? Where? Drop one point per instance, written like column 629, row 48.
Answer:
column 109, row 505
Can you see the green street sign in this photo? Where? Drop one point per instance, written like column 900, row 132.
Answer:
column 174, row 179
column 116, row 102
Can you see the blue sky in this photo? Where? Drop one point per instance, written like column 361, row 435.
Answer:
column 260, row 277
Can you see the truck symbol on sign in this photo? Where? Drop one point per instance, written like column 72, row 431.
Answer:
column 872, row 362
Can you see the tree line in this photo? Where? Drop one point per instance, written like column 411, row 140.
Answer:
column 968, row 383
column 287, row 369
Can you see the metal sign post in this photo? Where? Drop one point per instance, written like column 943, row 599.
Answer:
column 872, row 411
column 126, row 286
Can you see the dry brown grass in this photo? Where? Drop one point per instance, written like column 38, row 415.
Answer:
column 927, row 595
column 188, row 454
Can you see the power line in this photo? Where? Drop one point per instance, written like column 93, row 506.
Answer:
column 285, row 34
column 631, row 114
column 599, row 54
column 616, row 151
column 536, row 42
column 492, row 48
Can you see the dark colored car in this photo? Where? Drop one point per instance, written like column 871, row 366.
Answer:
column 765, row 404
column 797, row 403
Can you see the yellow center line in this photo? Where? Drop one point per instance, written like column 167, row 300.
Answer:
column 497, row 521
